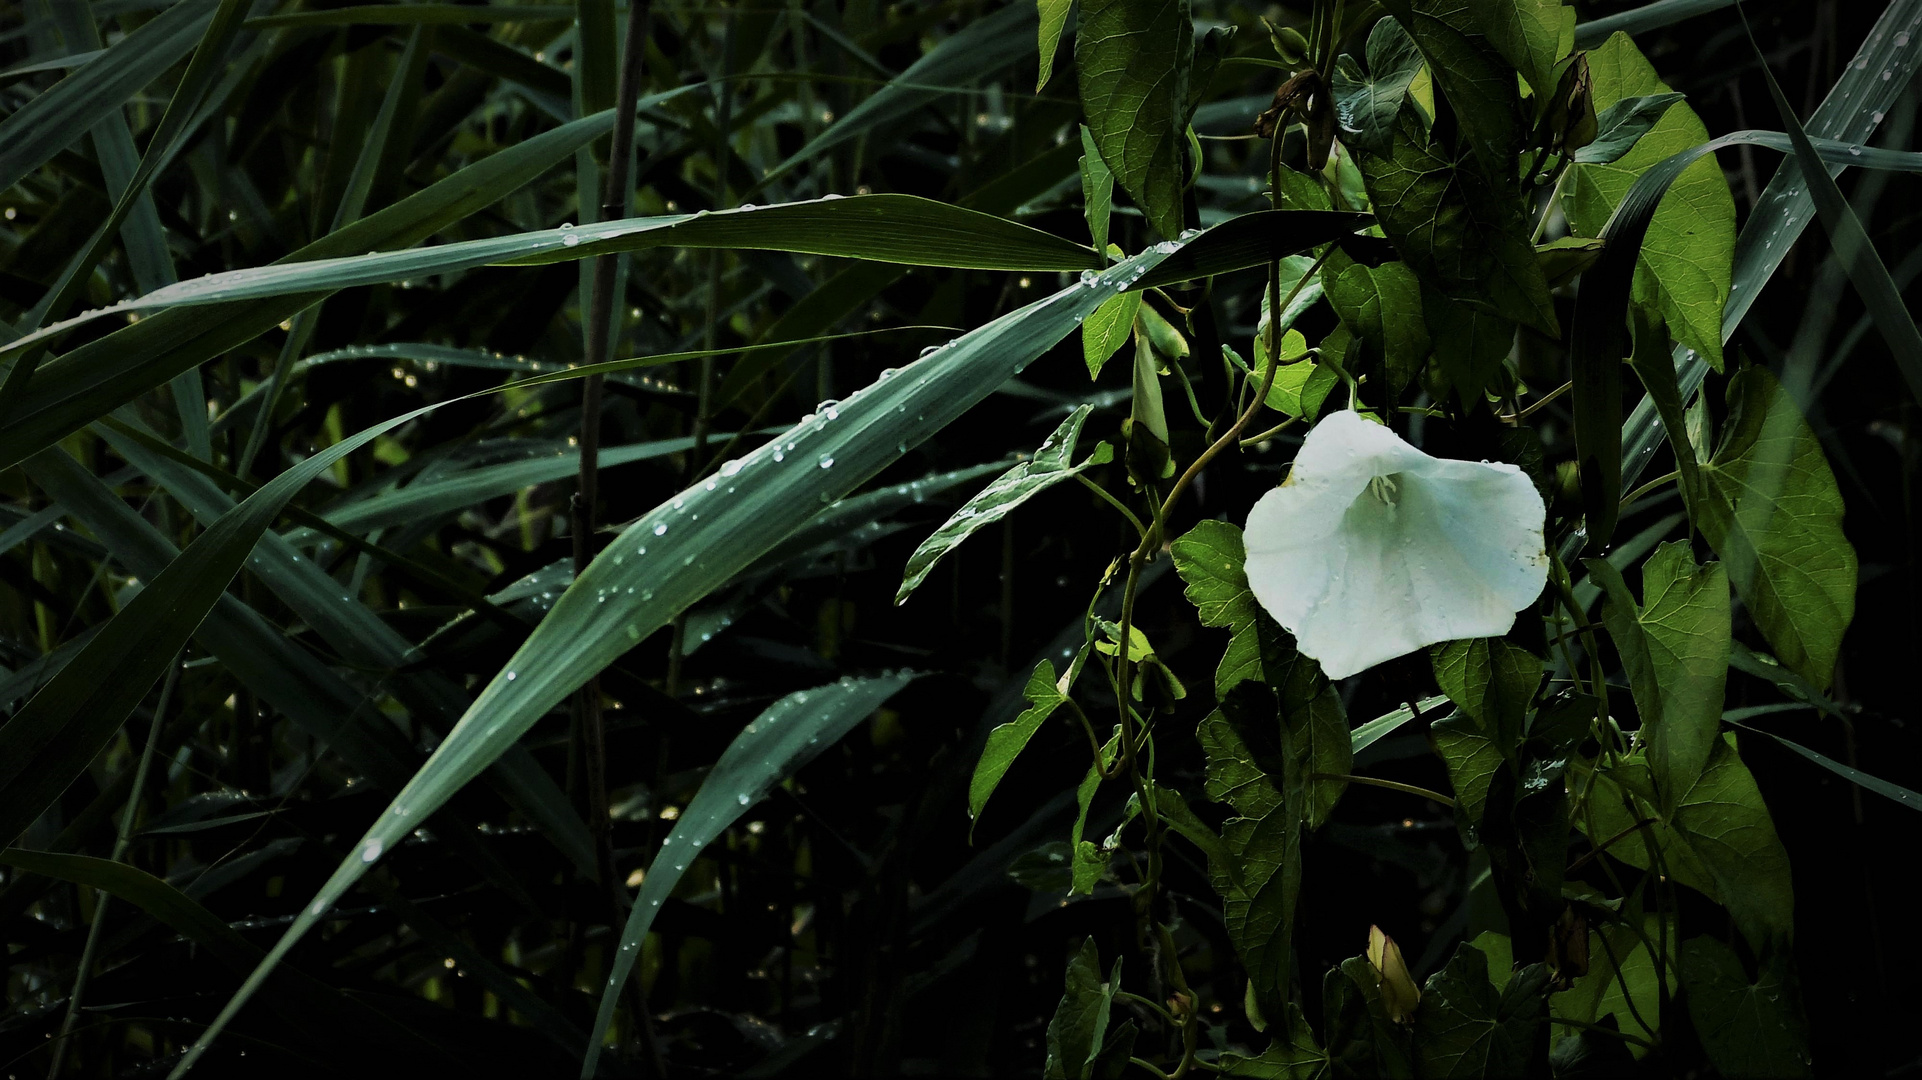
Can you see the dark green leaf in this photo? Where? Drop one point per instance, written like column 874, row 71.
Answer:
column 1382, row 308
column 1052, row 463
column 1683, row 270
column 1621, row 125
column 1006, row 741
column 1774, row 515
column 1751, row 1028
column 1479, row 84
column 1367, row 105
column 1079, row 1028
column 1719, row 841
column 1494, row 682
column 1470, row 344
column 1467, row 1028
column 1675, row 647
column 1461, row 229
column 1133, row 58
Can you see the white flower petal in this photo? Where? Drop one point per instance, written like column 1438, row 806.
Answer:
column 1372, row 549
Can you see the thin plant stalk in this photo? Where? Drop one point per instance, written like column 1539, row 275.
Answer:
column 615, row 199
column 90, row 952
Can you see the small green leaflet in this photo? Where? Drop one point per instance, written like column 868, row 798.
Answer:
column 1052, row 463
column 1106, row 331
column 1006, row 741
column 1366, row 104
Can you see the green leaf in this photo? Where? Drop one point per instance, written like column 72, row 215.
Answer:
column 1006, row 741
column 1675, row 647
column 1211, row 561
column 1774, row 515
column 1078, row 1030
column 450, row 494
column 1301, row 385
column 1751, row 1028
column 1107, row 330
column 1052, row 463
column 1719, row 840
column 1381, row 306
column 1620, row 126
column 1619, row 956
column 1460, row 228
column 1133, row 59
column 1366, row 106
column 1479, row 84
column 1493, row 680
column 1097, row 189
column 1054, row 19
column 1684, row 269
column 1261, row 768
column 885, row 228
column 1466, row 1028
column 1849, row 114
column 1253, row 240
column 1527, row 34
column 1470, row 344
column 1472, row 759
column 1293, row 1054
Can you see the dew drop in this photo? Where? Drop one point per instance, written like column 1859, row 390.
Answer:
column 827, row 461
column 741, row 798
column 731, row 468
column 511, row 676
column 572, row 241
column 370, row 851
column 660, row 528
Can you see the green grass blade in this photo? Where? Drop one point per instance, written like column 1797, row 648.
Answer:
column 61, row 728
column 1647, row 17
column 1387, row 724
column 78, row 387
column 901, row 229
column 51, row 121
column 983, row 48
column 704, row 537
column 1895, row 792
column 434, row 498
column 786, row 736
column 1851, row 242
column 1871, row 81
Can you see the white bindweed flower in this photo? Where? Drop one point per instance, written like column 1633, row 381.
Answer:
column 1372, row 549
